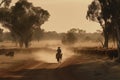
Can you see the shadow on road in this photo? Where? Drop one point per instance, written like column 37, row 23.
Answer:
column 85, row 71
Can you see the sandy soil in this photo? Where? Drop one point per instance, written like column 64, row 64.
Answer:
column 42, row 65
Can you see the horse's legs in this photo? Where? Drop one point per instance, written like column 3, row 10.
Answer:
column 58, row 59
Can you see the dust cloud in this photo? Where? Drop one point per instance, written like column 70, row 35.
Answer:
column 39, row 51
column 49, row 57
column 48, row 54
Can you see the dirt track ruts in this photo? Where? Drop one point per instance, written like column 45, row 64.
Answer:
column 74, row 68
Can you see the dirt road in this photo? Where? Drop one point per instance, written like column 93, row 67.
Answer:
column 75, row 67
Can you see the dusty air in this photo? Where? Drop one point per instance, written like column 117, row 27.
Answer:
column 59, row 39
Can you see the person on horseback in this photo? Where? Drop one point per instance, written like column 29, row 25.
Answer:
column 59, row 54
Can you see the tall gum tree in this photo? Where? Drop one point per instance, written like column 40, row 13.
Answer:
column 110, row 11
column 99, row 12
column 22, row 19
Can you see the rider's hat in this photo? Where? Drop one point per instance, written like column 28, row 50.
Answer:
column 58, row 47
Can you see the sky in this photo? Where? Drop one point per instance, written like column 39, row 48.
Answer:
column 66, row 14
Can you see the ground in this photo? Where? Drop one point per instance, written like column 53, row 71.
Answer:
column 40, row 64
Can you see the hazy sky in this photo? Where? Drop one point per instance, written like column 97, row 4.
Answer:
column 66, row 14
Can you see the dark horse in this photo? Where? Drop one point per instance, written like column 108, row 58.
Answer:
column 59, row 57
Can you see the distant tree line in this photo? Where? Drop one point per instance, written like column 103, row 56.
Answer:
column 70, row 37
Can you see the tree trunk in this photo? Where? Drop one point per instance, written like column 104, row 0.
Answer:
column 26, row 44
column 106, row 36
column 118, row 42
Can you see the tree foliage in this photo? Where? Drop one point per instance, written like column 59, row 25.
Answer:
column 70, row 37
column 100, row 11
column 22, row 19
column 110, row 14
column 6, row 3
column 38, row 34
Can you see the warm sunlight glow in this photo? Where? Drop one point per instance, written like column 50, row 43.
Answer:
column 66, row 14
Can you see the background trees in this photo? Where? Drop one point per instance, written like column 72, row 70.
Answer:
column 22, row 19
column 100, row 13
column 71, row 36
column 38, row 34
column 109, row 15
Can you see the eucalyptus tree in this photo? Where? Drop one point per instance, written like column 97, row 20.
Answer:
column 22, row 19
column 100, row 13
column 109, row 14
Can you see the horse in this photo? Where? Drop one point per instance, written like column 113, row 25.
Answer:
column 59, row 57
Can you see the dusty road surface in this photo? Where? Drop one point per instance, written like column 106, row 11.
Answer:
column 42, row 65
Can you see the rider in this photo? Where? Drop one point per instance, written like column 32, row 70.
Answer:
column 59, row 54
column 59, row 50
